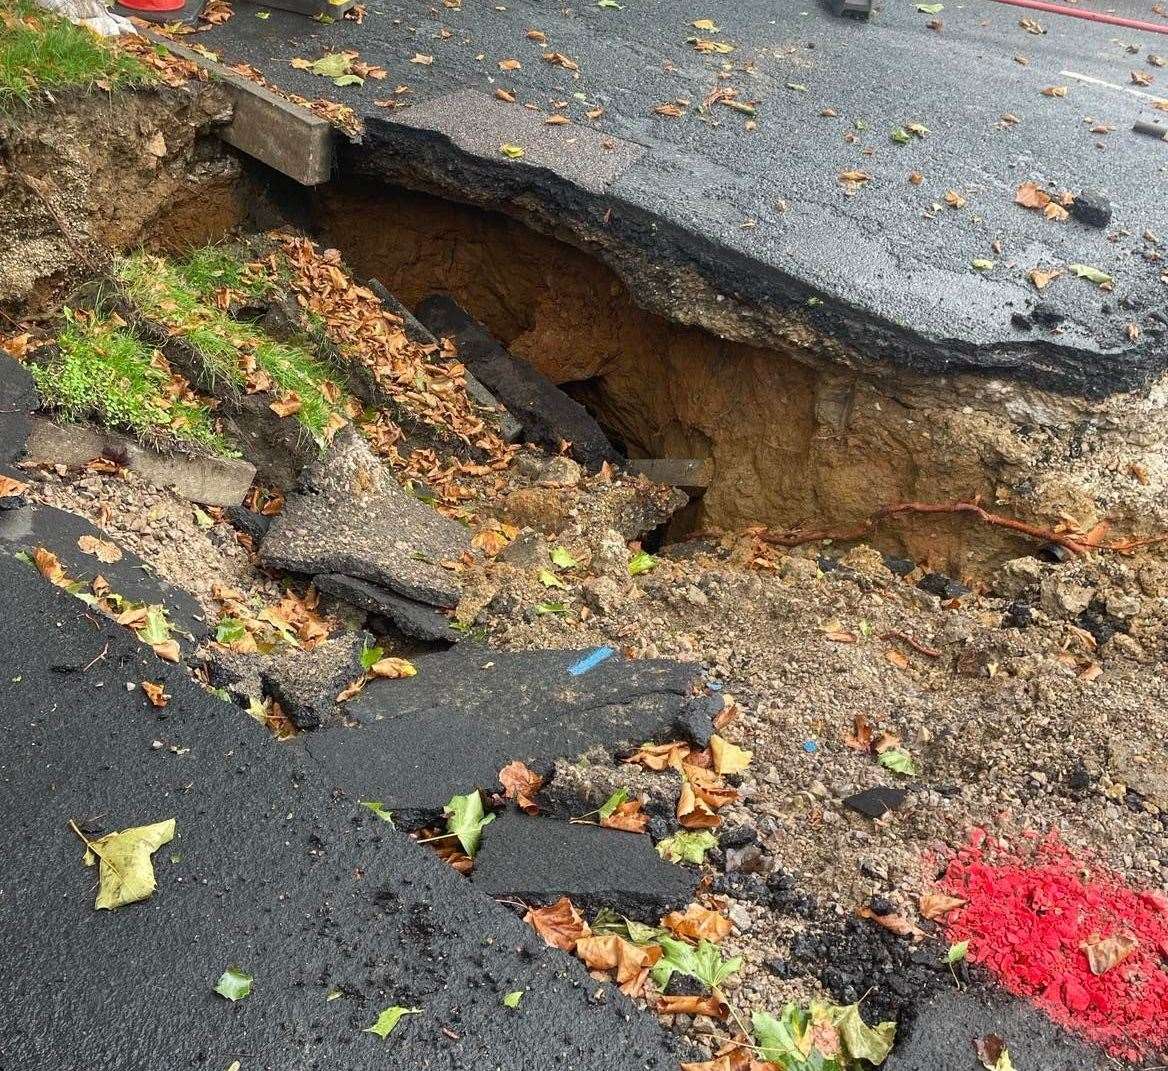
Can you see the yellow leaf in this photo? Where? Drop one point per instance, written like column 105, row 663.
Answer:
column 512, row 152
column 728, row 758
column 125, row 874
column 393, row 669
column 705, row 24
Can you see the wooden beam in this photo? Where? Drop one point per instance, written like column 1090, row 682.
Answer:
column 286, row 137
column 688, row 473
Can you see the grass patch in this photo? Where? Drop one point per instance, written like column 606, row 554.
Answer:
column 103, row 372
column 234, row 354
column 40, row 51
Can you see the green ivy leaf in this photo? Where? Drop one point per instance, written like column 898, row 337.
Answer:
column 981, row 264
column 898, row 761
column 370, row 656
column 550, row 608
column 388, row 1019
column 348, row 80
column 511, row 1000
column 901, row 136
column 609, row 806
column 687, row 847
column 641, row 562
column 233, row 984
column 157, row 628
column 378, row 809
column 466, row 819
column 930, row 9
column 549, row 579
column 561, row 559
column 957, row 952
column 229, row 630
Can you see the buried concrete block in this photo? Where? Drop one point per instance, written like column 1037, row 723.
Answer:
column 211, row 481
column 549, row 417
column 470, row 711
column 350, row 517
column 687, row 473
column 538, row 860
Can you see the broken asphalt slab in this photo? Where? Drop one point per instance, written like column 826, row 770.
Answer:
column 538, row 860
column 349, row 516
column 470, row 711
column 413, row 619
column 746, row 229
column 18, row 400
column 548, row 416
column 947, row 1024
column 269, row 872
column 22, row 531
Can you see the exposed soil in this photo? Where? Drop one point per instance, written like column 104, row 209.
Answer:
column 796, row 438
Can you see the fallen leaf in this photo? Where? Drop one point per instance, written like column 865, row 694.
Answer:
column 1054, row 91
column 860, row 738
column 49, row 566
column 854, row 177
column 935, row 905
column 1104, row 953
column 1031, row 195
column 466, row 819
column 125, row 873
column 695, row 813
column 422, row 60
column 393, row 669
column 896, row 658
column 710, row 1004
column 560, row 60
column 660, row 756
column 629, row 963
column 389, row 1018
column 686, row 847
column 503, row 94
column 521, row 784
column 1042, row 278
column 697, row 923
column 156, row 693
column 10, row 488
column 728, row 758
column 101, row 549
column 894, row 923
column 627, row 816
column 898, row 761
column 510, row 65
column 707, row 25
column 993, row 1054
column 233, row 984
column 954, row 200
column 559, row 924
column 512, row 152
column 512, row 999
column 286, row 405
column 1094, row 275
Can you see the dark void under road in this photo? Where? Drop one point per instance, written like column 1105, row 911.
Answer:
column 741, row 223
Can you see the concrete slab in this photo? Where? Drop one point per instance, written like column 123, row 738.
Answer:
column 538, row 860
column 740, row 222
column 470, row 711
column 548, row 416
column 352, row 518
column 212, row 481
column 269, row 872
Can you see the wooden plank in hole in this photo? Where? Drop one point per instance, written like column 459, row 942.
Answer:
column 286, row 137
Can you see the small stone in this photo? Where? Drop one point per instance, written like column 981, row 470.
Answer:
column 741, row 918
column 942, row 586
column 876, row 802
column 560, row 472
column 610, row 553
column 1092, row 207
column 1061, row 598
column 528, row 548
column 1017, row 576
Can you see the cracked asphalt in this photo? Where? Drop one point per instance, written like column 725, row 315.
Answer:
column 760, row 214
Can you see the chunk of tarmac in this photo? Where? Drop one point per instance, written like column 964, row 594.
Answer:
column 269, row 872
column 22, row 531
column 470, row 711
column 413, row 619
column 18, row 399
column 351, row 517
column 947, row 1024
column 538, row 860
column 549, row 417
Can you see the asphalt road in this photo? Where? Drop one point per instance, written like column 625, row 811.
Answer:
column 761, row 215
column 271, row 871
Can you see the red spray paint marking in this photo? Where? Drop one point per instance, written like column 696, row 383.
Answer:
column 1026, row 919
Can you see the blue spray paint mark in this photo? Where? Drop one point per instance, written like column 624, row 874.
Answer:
column 591, row 661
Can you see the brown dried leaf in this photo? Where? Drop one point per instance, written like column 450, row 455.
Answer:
column 954, row 200
column 559, row 924
column 697, row 923
column 935, row 905
column 710, row 1005
column 286, row 405
column 521, row 784
column 659, row 756
column 510, row 65
column 156, row 693
column 1031, row 195
column 860, row 738
column 627, row 816
column 560, row 60
column 1042, row 279
column 101, row 549
column 894, row 923
column 10, row 488
column 1054, row 91
column 50, row 567
column 1104, row 953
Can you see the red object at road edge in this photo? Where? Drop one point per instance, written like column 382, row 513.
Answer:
column 1090, row 16
column 1027, row 916
column 152, row 5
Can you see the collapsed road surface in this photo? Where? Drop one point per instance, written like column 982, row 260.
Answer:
column 333, row 914
column 769, row 171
